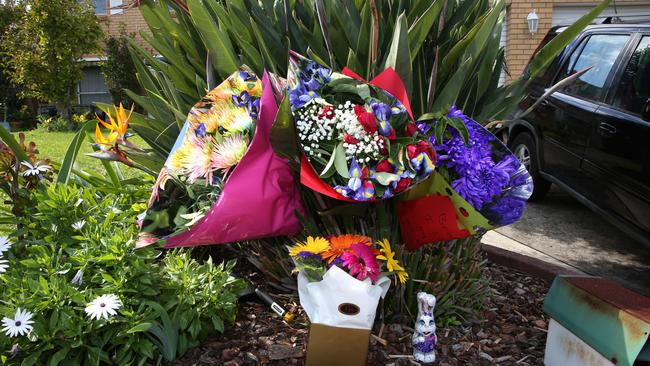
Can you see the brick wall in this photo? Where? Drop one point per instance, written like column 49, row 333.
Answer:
column 520, row 43
column 130, row 21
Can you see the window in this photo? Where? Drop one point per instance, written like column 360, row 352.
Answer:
column 92, row 87
column 634, row 89
column 115, row 6
column 599, row 51
column 100, row 7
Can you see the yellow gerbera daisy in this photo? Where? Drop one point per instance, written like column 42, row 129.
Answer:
column 402, row 276
column 316, row 245
column 388, row 255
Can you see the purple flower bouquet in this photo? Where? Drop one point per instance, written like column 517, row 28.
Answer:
column 486, row 184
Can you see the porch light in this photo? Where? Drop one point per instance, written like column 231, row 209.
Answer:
column 533, row 22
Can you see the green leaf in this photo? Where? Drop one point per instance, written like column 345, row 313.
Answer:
column 11, row 142
column 385, row 178
column 447, row 97
column 329, row 169
column 399, row 53
column 340, row 162
column 439, row 129
column 223, row 55
column 419, row 30
column 141, row 327
column 457, row 124
column 59, row 356
column 73, row 150
column 217, row 322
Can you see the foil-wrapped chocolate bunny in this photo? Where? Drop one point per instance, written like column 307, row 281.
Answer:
column 424, row 338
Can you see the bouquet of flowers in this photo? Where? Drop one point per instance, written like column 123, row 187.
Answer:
column 344, row 274
column 356, row 254
column 357, row 137
column 221, row 165
column 484, row 182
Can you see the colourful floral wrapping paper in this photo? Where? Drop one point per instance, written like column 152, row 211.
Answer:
column 478, row 186
column 222, row 182
column 358, row 139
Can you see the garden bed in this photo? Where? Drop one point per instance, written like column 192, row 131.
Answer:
column 511, row 331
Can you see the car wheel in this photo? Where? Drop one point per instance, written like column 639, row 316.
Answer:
column 523, row 146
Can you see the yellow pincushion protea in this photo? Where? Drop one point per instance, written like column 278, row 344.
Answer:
column 193, row 159
column 229, row 152
column 236, row 120
column 315, row 245
column 209, row 118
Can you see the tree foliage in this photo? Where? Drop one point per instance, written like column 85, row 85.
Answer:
column 119, row 70
column 46, row 45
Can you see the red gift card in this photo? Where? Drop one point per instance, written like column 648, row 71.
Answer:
column 427, row 220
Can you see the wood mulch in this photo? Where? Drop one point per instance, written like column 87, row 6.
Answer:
column 512, row 331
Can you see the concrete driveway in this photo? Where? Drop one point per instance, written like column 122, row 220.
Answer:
column 561, row 230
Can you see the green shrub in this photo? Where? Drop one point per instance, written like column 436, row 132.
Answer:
column 79, row 244
column 53, row 124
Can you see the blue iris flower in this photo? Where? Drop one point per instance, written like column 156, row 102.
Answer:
column 200, row 130
column 242, row 99
column 253, row 108
column 383, row 113
column 355, row 188
column 299, row 96
column 422, row 164
column 247, row 76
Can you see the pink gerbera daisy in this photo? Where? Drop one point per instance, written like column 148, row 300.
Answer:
column 361, row 262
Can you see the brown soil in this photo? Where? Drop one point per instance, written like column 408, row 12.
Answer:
column 511, row 332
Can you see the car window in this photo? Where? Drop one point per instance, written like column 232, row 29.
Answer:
column 599, row 51
column 634, row 89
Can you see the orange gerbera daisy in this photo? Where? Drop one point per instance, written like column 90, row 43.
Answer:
column 339, row 244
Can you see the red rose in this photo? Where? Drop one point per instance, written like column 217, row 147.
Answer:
column 366, row 119
column 365, row 173
column 411, row 129
column 347, row 138
column 403, row 184
column 327, row 112
column 384, row 166
column 414, row 150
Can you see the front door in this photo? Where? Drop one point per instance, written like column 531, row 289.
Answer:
column 618, row 154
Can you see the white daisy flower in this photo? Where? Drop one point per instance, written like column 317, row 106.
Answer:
column 103, row 306
column 35, row 169
column 19, row 325
column 79, row 224
column 4, row 264
column 5, row 245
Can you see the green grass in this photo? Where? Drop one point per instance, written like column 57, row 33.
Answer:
column 53, row 146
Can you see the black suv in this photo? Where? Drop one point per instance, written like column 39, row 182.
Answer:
column 592, row 137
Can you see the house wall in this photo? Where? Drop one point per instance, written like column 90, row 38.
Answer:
column 129, row 20
column 520, row 43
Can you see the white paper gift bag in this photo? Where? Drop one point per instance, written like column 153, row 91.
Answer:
column 340, row 300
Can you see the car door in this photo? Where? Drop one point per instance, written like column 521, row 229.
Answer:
column 618, row 154
column 564, row 118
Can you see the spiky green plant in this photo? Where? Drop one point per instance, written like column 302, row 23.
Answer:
column 446, row 52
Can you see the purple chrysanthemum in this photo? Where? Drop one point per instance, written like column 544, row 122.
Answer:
column 479, row 185
column 505, row 210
